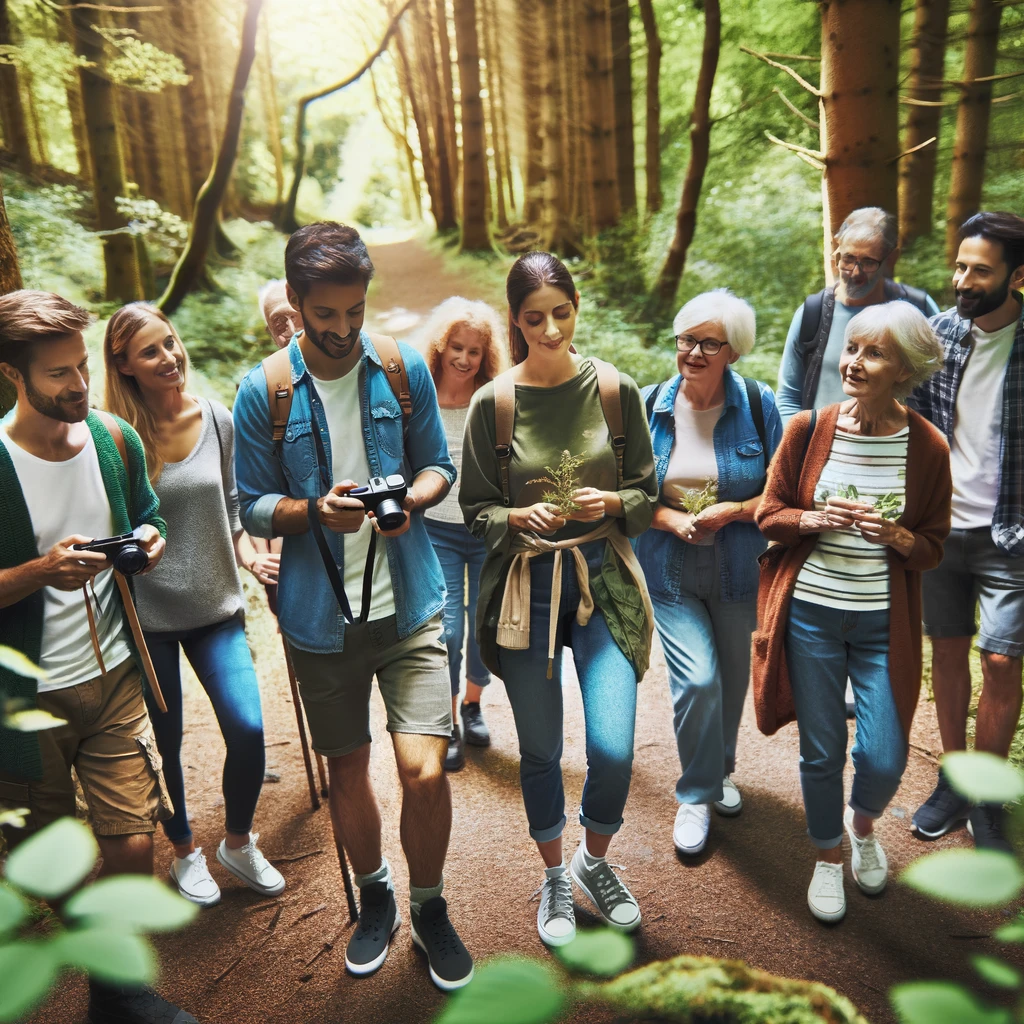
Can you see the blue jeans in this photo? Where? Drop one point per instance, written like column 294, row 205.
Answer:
column 608, row 684
column 220, row 657
column 823, row 647
column 707, row 652
column 458, row 550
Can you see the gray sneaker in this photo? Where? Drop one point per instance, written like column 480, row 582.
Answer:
column 556, row 916
column 615, row 903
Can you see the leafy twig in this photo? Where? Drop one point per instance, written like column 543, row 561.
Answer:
column 563, row 482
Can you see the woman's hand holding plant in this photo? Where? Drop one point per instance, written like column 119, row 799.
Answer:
column 543, row 517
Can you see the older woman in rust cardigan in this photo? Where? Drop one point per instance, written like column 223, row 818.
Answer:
column 858, row 506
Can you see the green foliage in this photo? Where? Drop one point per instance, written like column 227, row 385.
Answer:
column 28, row 968
column 53, row 861
column 1013, row 932
column 696, row 499
column 983, row 777
column 133, row 902
column 996, row 972
column 973, row 878
column 563, row 482
column 118, row 958
column 507, row 990
column 13, row 909
column 942, row 1002
column 15, row 661
column 140, row 65
column 56, row 60
column 604, row 952
column 157, row 224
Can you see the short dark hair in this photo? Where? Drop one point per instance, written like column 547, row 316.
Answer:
column 326, row 251
column 1005, row 228
column 29, row 318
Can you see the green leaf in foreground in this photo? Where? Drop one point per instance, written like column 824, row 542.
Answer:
column 115, row 957
column 1012, row 932
column 54, row 860
column 974, row 878
column 604, row 952
column 133, row 902
column 507, row 991
column 32, row 720
column 996, row 972
column 14, row 816
column 28, row 969
column 16, row 662
column 983, row 777
column 930, row 1002
column 13, row 909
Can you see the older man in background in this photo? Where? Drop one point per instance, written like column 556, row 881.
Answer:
column 281, row 319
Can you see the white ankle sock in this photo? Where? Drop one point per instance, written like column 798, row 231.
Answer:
column 382, row 874
column 588, row 858
column 556, row 872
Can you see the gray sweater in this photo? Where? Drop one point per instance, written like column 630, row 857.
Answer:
column 196, row 583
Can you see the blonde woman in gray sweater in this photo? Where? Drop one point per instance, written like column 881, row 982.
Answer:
column 195, row 602
column 464, row 346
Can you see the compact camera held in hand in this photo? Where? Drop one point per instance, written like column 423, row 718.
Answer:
column 125, row 552
column 383, row 496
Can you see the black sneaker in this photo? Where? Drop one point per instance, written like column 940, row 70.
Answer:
column 120, row 1004
column 477, row 733
column 456, row 756
column 378, row 922
column 941, row 812
column 451, row 966
column 987, row 823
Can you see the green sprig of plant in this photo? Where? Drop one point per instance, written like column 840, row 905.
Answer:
column 563, row 482
column 888, row 506
column 696, row 499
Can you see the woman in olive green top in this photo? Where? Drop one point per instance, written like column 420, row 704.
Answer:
column 563, row 575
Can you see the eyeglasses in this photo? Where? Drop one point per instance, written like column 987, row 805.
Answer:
column 847, row 261
column 708, row 346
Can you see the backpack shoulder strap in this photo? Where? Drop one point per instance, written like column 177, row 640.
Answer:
column 611, row 404
column 504, row 422
column 394, row 367
column 115, row 431
column 810, row 321
column 652, row 399
column 757, row 412
column 278, row 368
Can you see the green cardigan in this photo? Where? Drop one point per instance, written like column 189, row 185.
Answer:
column 132, row 503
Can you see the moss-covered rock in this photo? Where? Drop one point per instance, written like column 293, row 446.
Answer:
column 702, row 990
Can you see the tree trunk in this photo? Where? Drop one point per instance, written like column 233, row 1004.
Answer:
column 622, row 76
column 100, row 109
column 554, row 196
column 652, row 126
column 972, row 118
column 860, row 43
column 448, row 91
column 10, row 281
column 531, row 63
column 700, row 141
column 429, row 64
column 74, row 95
column 917, row 170
column 475, row 235
column 488, row 24
column 411, row 90
column 12, row 115
column 600, row 115
column 271, row 112
column 204, row 221
column 196, row 99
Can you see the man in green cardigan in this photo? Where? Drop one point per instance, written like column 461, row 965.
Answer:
column 63, row 481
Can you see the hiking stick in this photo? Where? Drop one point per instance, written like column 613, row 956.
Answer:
column 313, row 798
column 323, row 777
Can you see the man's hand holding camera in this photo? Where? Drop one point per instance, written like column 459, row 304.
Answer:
column 341, row 512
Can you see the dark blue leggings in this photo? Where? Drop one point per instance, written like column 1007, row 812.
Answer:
column 220, row 657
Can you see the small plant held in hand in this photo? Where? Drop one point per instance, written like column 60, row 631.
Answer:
column 888, row 506
column 696, row 499
column 563, row 483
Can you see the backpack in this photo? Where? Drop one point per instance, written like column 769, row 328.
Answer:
column 278, row 369
column 505, row 414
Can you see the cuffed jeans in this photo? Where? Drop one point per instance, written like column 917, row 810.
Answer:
column 458, row 551
column 608, row 685
column 823, row 646
column 220, row 657
column 707, row 653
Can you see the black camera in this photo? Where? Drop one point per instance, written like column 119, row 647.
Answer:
column 383, row 496
column 124, row 552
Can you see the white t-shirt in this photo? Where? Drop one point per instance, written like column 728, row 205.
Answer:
column 65, row 498
column 977, row 429
column 692, row 462
column 348, row 462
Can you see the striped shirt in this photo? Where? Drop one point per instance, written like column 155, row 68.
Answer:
column 844, row 570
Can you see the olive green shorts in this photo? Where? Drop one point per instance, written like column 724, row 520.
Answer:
column 412, row 675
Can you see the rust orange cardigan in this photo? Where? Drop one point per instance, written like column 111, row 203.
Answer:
column 789, row 492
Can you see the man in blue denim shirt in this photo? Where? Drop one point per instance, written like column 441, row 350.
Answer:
column 344, row 426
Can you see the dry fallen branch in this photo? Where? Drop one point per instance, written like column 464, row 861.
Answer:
column 793, row 108
column 913, row 149
column 799, row 79
column 295, row 856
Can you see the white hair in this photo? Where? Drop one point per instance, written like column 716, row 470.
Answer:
column 720, row 306
column 870, row 224
column 261, row 295
column 917, row 344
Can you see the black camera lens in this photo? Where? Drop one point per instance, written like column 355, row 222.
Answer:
column 390, row 514
column 130, row 560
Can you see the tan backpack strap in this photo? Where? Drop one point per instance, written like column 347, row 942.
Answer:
column 278, row 368
column 115, row 431
column 140, row 640
column 394, row 366
column 504, row 421
column 611, row 404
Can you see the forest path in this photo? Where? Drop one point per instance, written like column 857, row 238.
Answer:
column 255, row 961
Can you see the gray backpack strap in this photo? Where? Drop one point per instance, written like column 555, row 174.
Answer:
column 504, row 421
column 814, row 350
column 611, row 406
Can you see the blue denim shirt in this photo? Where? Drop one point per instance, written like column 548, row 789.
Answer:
column 741, row 472
column 307, row 608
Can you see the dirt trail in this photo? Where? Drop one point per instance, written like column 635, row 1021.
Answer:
column 254, row 961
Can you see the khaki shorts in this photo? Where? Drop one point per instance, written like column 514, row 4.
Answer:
column 412, row 675
column 109, row 741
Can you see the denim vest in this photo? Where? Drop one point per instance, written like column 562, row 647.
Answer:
column 308, row 610
column 741, row 472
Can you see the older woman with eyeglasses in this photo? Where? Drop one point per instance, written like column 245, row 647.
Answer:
column 714, row 433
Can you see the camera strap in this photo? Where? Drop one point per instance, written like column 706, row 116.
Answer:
column 331, row 567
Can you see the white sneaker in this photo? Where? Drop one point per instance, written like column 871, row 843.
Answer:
column 732, row 801
column 825, row 895
column 250, row 866
column 690, row 833
column 556, row 915
column 868, row 862
column 193, row 879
